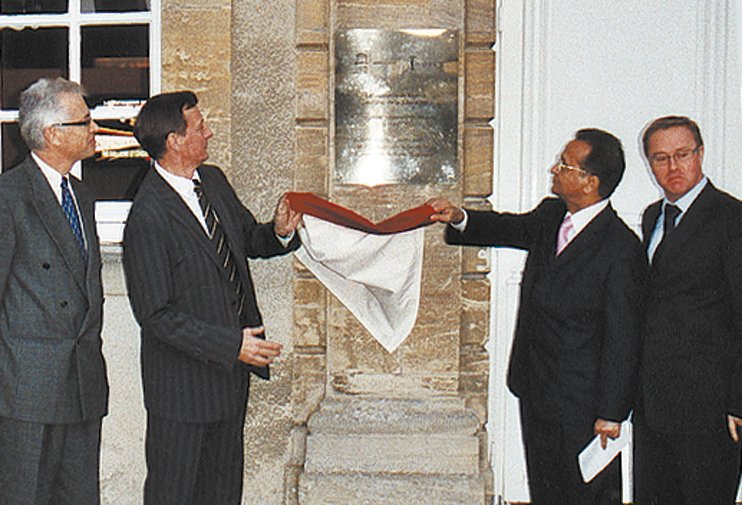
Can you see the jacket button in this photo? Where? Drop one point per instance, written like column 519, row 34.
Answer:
column 46, row 266
column 64, row 304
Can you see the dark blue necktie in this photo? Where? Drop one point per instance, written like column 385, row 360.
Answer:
column 68, row 204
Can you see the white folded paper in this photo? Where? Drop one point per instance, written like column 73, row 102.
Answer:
column 593, row 458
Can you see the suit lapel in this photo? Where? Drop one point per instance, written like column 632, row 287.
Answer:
column 649, row 222
column 53, row 217
column 174, row 205
column 687, row 227
column 587, row 239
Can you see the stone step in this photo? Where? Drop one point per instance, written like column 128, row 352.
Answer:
column 435, row 416
column 380, row 454
column 360, row 489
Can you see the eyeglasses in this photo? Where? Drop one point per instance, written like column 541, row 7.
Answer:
column 681, row 157
column 85, row 122
column 563, row 166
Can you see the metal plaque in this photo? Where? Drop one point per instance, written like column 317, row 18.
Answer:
column 396, row 106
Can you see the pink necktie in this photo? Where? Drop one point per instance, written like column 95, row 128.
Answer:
column 563, row 237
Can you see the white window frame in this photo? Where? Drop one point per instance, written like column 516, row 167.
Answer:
column 110, row 216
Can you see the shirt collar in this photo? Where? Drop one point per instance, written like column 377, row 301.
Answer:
column 181, row 185
column 685, row 201
column 582, row 217
column 54, row 177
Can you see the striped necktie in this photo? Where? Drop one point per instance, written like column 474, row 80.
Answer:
column 219, row 239
column 73, row 218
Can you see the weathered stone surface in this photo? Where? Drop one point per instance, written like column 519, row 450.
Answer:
column 478, row 155
column 390, row 490
column 313, row 22
column 313, row 83
column 480, row 84
column 399, row 14
column 199, row 60
column 407, row 454
column 312, row 159
column 310, row 313
column 393, row 416
column 480, row 22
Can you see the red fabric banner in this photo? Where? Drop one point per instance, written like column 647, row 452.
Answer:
column 308, row 203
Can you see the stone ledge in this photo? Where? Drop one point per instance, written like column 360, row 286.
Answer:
column 390, row 490
column 387, row 416
column 392, row 454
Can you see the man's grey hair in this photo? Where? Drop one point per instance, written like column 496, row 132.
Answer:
column 41, row 106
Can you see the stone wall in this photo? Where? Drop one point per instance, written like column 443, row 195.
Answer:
column 342, row 420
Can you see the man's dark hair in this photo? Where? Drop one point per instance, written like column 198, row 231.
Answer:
column 161, row 116
column 667, row 122
column 606, row 159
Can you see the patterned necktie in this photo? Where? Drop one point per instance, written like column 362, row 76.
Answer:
column 671, row 213
column 68, row 204
column 563, row 237
column 219, row 239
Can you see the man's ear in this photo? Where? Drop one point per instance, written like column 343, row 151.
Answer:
column 173, row 142
column 51, row 136
column 592, row 184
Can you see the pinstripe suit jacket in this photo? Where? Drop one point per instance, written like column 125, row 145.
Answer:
column 51, row 303
column 181, row 297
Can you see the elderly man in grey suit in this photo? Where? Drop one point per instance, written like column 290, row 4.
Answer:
column 186, row 246
column 53, row 387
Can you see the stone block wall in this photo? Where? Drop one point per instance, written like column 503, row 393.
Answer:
column 342, row 418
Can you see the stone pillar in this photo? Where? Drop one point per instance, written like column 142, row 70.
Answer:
column 374, row 427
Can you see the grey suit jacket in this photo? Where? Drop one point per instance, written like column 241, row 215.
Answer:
column 51, row 303
column 184, row 303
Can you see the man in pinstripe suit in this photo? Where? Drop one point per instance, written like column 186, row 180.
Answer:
column 185, row 248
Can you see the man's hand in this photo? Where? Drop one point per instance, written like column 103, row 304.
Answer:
column 446, row 212
column 256, row 351
column 606, row 429
column 735, row 426
column 286, row 220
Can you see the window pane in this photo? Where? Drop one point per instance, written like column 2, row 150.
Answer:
column 28, row 55
column 119, row 164
column 14, row 148
column 115, row 62
column 32, row 6
column 114, row 5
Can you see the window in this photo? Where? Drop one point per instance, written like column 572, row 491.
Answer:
column 112, row 47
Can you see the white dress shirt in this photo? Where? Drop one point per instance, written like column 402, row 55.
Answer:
column 683, row 203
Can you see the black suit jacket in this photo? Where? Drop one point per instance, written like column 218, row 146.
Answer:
column 691, row 363
column 51, row 305
column 575, row 352
column 184, row 303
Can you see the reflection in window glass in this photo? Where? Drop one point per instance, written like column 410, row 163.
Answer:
column 14, row 148
column 115, row 62
column 33, row 6
column 27, row 55
column 114, row 5
column 119, row 164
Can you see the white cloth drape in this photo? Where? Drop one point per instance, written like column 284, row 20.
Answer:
column 377, row 277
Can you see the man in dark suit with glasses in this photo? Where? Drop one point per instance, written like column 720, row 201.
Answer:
column 687, row 419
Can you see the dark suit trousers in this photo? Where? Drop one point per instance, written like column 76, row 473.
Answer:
column 552, row 447
column 194, row 463
column 684, row 469
column 49, row 464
